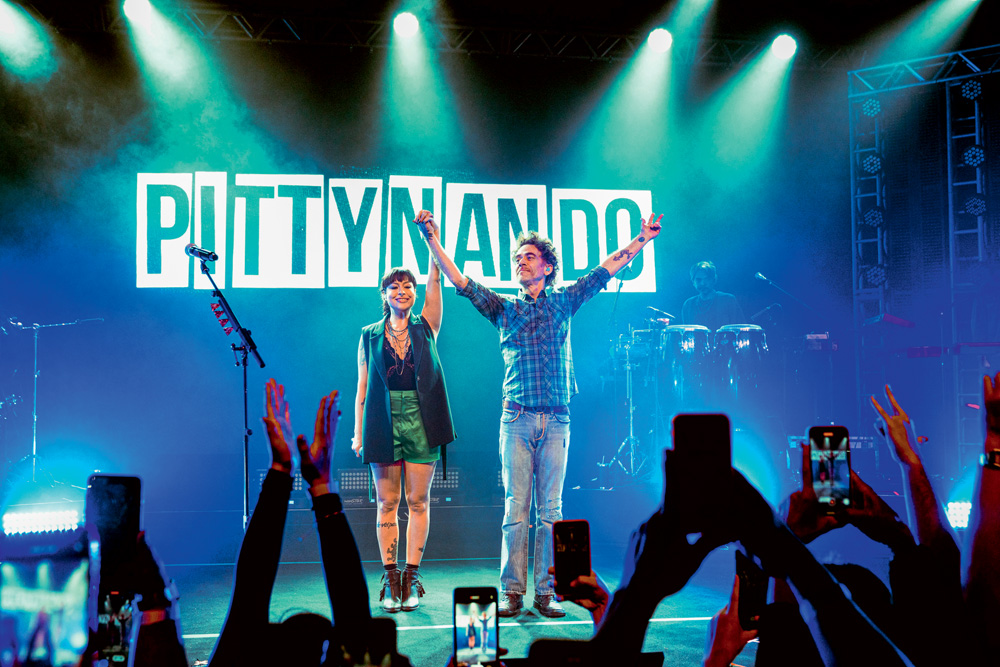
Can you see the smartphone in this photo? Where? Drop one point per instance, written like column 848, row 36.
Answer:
column 114, row 504
column 571, row 553
column 831, row 466
column 476, row 626
column 45, row 598
column 698, row 477
column 753, row 591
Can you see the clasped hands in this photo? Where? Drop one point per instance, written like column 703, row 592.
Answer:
column 315, row 457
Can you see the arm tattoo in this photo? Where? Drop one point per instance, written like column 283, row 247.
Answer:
column 624, row 253
column 392, row 551
column 641, row 239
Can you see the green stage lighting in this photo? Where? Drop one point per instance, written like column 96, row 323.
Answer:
column 784, row 46
column 660, row 40
column 25, row 48
column 138, row 11
column 405, row 24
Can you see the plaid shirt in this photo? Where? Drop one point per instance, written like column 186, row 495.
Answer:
column 534, row 337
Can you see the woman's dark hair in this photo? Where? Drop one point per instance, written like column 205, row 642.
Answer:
column 391, row 276
column 546, row 247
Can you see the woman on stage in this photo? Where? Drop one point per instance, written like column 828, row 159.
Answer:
column 402, row 423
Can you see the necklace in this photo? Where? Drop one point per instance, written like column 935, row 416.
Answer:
column 399, row 342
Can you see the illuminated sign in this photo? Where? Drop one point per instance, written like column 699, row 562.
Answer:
column 305, row 231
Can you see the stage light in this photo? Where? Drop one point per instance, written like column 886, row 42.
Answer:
column 660, row 40
column 871, row 107
column 405, row 24
column 138, row 11
column 19, row 523
column 872, row 164
column 958, row 514
column 974, row 155
column 972, row 89
column 874, row 217
column 784, row 46
column 25, row 47
column 975, row 205
column 876, row 275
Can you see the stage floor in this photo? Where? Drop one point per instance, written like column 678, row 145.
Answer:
column 678, row 627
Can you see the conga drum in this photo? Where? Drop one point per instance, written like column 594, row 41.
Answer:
column 686, row 356
column 740, row 353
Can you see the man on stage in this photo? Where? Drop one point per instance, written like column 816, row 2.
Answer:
column 538, row 384
column 708, row 307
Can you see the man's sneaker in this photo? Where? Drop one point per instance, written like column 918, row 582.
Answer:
column 510, row 604
column 548, row 607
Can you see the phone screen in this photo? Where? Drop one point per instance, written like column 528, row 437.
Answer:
column 831, row 465
column 571, row 553
column 44, row 607
column 476, row 625
column 698, row 478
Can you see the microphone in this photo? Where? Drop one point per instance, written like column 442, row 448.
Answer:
column 200, row 253
column 662, row 312
column 761, row 276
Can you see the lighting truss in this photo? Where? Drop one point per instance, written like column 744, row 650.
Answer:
column 922, row 71
column 219, row 23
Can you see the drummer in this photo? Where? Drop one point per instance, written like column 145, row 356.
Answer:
column 710, row 308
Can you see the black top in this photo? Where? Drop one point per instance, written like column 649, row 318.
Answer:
column 399, row 375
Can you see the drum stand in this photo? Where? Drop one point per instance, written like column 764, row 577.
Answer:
column 629, row 457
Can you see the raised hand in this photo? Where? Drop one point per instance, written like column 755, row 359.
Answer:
column 991, row 403
column 898, row 429
column 873, row 516
column 425, row 220
column 317, row 456
column 278, row 424
column 651, row 228
column 805, row 517
column 726, row 637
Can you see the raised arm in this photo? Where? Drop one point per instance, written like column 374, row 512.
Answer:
column 650, row 230
column 433, row 306
column 430, row 230
column 359, row 399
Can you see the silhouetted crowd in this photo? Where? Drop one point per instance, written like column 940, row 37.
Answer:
column 942, row 605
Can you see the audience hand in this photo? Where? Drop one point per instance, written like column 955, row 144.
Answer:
column 873, row 516
column 589, row 592
column 991, row 404
column 317, row 456
column 898, row 430
column 726, row 637
column 805, row 517
column 278, row 423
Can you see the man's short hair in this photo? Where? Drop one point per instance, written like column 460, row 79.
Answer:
column 707, row 267
column 546, row 247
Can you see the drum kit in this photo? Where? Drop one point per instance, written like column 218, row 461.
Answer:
column 682, row 368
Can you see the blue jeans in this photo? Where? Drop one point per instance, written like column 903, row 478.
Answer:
column 533, row 448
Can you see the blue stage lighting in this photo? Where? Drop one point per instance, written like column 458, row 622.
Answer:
column 958, row 514
column 783, row 46
column 975, row 205
column 871, row 107
column 405, row 24
column 40, row 522
column 872, row 164
column 660, row 40
column 974, row 155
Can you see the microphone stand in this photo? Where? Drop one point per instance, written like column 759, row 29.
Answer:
column 248, row 347
column 34, row 400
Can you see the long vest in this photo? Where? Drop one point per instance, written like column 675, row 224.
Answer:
column 435, row 411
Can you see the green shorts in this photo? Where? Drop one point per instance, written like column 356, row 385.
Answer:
column 409, row 440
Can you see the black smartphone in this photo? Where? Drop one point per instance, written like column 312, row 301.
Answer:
column 753, row 591
column 114, row 510
column 698, row 478
column 476, row 625
column 45, row 597
column 570, row 553
column 831, row 466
